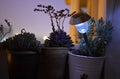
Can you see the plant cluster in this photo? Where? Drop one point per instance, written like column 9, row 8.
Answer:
column 99, row 35
column 3, row 33
column 58, row 37
column 23, row 42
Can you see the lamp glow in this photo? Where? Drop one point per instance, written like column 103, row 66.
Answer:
column 45, row 37
column 82, row 27
column 16, row 33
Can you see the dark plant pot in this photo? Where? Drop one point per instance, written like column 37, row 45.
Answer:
column 23, row 65
column 54, row 63
column 85, row 66
column 3, row 65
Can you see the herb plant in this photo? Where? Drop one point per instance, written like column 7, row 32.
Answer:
column 23, row 42
column 99, row 36
column 58, row 37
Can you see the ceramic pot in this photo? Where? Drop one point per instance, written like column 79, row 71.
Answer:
column 54, row 63
column 85, row 66
column 3, row 65
column 23, row 64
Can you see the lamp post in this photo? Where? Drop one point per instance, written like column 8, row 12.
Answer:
column 80, row 20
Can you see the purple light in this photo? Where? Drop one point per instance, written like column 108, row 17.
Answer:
column 82, row 27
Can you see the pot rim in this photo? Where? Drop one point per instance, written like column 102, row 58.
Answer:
column 22, row 52
column 82, row 56
column 56, row 48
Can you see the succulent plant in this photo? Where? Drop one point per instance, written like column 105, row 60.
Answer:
column 57, row 38
column 3, row 33
column 99, row 36
column 23, row 42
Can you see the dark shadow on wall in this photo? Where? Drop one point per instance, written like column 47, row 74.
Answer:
column 112, row 65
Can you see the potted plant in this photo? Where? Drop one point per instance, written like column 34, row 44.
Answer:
column 88, row 65
column 23, row 55
column 4, row 30
column 55, row 49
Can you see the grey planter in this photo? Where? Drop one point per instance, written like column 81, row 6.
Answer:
column 80, row 66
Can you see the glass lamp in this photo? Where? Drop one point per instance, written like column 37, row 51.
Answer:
column 80, row 20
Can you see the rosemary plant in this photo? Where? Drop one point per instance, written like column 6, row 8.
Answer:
column 99, row 36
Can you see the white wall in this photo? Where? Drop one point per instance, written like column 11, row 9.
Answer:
column 20, row 13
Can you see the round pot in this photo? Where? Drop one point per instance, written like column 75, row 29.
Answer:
column 54, row 63
column 85, row 67
column 3, row 65
column 23, row 65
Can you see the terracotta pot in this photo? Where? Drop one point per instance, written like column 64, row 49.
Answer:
column 54, row 63
column 23, row 65
column 85, row 66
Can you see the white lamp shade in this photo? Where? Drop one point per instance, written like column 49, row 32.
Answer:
column 82, row 27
